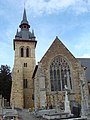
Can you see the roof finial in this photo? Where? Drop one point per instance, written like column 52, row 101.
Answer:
column 56, row 37
column 24, row 3
column 32, row 31
column 24, row 20
column 17, row 31
column 24, row 15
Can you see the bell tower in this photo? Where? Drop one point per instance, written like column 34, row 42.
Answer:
column 24, row 64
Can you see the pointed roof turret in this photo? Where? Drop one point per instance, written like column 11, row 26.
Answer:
column 24, row 15
column 25, row 33
column 24, row 20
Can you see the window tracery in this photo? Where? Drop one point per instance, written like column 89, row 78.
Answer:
column 60, row 74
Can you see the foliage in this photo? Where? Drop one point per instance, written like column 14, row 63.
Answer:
column 5, row 82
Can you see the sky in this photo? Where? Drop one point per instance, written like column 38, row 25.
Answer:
column 67, row 19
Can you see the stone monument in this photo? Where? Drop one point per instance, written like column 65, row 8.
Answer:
column 66, row 102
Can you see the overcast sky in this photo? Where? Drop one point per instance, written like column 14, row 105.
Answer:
column 67, row 19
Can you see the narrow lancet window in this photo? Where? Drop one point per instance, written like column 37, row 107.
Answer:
column 27, row 52
column 22, row 52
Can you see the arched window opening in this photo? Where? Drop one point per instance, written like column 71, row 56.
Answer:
column 27, row 52
column 60, row 74
column 22, row 52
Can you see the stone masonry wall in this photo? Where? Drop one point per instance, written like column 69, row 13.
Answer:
column 23, row 97
column 57, row 48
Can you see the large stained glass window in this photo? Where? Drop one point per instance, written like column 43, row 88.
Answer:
column 60, row 74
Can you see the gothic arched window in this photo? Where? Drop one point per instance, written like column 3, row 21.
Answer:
column 60, row 74
column 27, row 52
column 22, row 52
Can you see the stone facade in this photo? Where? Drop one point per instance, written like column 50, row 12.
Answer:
column 24, row 64
column 39, row 88
column 42, row 83
column 23, row 97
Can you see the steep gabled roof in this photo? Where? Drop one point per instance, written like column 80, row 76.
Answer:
column 58, row 46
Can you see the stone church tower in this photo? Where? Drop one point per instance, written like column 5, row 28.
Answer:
column 24, row 64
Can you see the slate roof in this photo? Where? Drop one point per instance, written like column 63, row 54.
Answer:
column 86, row 62
column 24, row 20
column 24, row 33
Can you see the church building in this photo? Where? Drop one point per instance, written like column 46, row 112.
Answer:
column 57, row 68
column 43, row 85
